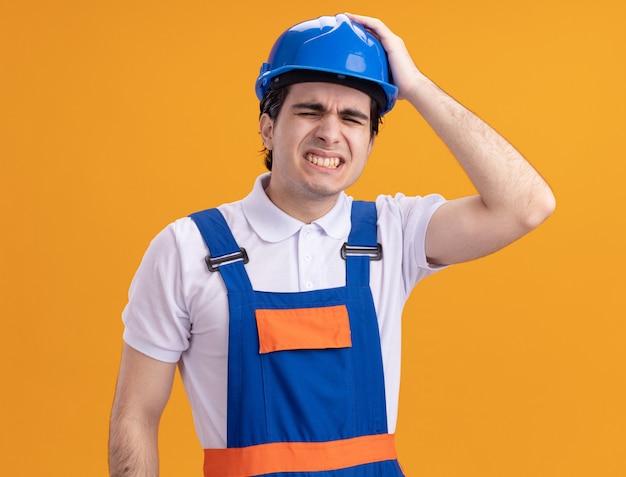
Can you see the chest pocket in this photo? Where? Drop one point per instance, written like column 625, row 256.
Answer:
column 303, row 328
column 307, row 370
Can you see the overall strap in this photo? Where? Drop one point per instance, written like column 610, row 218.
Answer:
column 225, row 255
column 362, row 245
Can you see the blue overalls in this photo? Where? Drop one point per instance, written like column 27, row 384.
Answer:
column 306, row 395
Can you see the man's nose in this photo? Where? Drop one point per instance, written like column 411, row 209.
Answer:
column 329, row 129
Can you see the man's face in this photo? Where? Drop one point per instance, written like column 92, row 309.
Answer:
column 320, row 142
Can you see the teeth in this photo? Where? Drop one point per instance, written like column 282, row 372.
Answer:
column 327, row 162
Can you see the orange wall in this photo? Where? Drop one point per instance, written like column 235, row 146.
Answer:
column 120, row 116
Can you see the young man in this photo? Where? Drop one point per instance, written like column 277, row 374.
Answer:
column 288, row 334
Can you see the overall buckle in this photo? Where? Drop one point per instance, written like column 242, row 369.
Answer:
column 374, row 253
column 214, row 263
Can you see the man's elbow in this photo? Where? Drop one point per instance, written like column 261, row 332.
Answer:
column 539, row 208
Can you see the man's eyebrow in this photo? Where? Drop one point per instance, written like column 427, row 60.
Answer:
column 315, row 106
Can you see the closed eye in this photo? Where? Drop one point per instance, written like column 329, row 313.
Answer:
column 307, row 114
column 315, row 110
column 352, row 119
column 308, row 109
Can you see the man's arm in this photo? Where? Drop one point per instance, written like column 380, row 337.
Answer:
column 143, row 388
column 512, row 197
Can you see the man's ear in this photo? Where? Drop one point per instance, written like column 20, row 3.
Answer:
column 371, row 146
column 266, row 128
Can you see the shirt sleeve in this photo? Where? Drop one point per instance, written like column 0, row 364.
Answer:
column 155, row 319
column 418, row 216
column 403, row 223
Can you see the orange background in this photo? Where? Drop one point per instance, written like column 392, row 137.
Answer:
column 118, row 117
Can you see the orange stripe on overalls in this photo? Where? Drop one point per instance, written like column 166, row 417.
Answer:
column 298, row 456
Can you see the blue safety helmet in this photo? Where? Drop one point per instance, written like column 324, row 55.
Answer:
column 330, row 49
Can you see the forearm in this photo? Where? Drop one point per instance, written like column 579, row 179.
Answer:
column 133, row 448
column 505, row 181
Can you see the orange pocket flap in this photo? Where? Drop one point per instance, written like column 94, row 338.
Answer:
column 303, row 328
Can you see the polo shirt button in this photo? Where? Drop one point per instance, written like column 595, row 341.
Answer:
column 307, row 257
column 309, row 285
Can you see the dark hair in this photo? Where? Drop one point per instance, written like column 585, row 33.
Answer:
column 272, row 103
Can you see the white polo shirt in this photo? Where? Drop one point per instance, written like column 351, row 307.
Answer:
column 178, row 310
